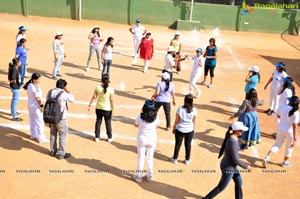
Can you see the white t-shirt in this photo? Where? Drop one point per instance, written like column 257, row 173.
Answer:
column 108, row 52
column 138, row 31
column 58, row 47
column 185, row 124
column 95, row 40
column 283, row 98
column 19, row 37
column 33, row 91
column 146, row 132
column 169, row 63
column 196, row 67
column 277, row 79
column 286, row 123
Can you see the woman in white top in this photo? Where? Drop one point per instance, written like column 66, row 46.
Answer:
column 287, row 91
column 35, row 106
column 147, row 123
column 95, row 40
column 107, row 55
column 287, row 128
column 276, row 80
column 196, row 71
column 59, row 54
column 184, row 126
column 138, row 31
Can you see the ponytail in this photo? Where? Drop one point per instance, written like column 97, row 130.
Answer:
column 227, row 135
column 188, row 103
column 294, row 103
column 13, row 63
column 167, row 84
column 105, row 81
column 34, row 76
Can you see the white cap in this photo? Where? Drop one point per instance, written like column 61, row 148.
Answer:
column 239, row 126
column 254, row 68
column 96, row 26
column 177, row 33
column 171, row 49
column 58, row 33
column 165, row 76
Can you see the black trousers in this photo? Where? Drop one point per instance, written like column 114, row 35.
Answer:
column 167, row 110
column 188, row 137
column 107, row 118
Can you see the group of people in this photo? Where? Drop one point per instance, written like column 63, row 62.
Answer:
column 240, row 135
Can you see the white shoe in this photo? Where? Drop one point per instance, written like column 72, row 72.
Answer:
column 198, row 94
column 187, row 162
column 110, row 140
column 203, row 82
column 173, row 160
column 265, row 162
column 44, row 141
column 286, row 164
column 149, row 178
column 210, row 85
column 87, row 69
column 96, row 139
column 135, row 178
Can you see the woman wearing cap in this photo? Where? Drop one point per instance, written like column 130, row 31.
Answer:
column 104, row 107
column 95, row 40
column 183, row 128
column 276, row 85
column 230, row 148
column 169, row 62
column 196, row 71
column 252, row 79
column 35, row 106
column 146, row 50
column 107, row 55
column 286, row 131
column 147, row 123
column 164, row 89
column 59, row 54
column 21, row 53
column 22, row 35
column 210, row 62
column 247, row 114
column 287, row 91
column 138, row 31
column 176, row 43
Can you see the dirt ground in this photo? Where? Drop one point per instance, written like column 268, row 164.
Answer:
column 102, row 170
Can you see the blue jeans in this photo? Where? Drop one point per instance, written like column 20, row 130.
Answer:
column 227, row 175
column 14, row 102
column 22, row 70
column 106, row 66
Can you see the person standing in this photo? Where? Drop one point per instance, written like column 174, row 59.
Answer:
column 14, row 84
column 276, row 80
column 164, row 89
column 287, row 91
column 196, row 72
column 169, row 62
column 22, row 35
column 252, row 79
column 95, row 41
column 21, row 53
column 286, row 131
column 247, row 114
column 176, row 43
column 183, row 128
column 35, row 106
column 230, row 148
column 146, row 49
column 60, row 129
column 59, row 54
column 104, row 107
column 107, row 55
column 210, row 62
column 138, row 31
column 147, row 123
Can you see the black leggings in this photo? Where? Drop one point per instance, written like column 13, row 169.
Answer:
column 187, row 143
column 210, row 69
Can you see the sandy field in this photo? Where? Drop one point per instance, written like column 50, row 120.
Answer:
column 103, row 170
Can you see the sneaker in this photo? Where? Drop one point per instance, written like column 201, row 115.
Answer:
column 17, row 119
column 173, row 160
column 44, row 141
column 198, row 94
column 67, row 155
column 187, row 162
column 96, row 139
column 110, row 140
column 267, row 111
column 58, row 75
column 210, row 85
column 55, row 78
column 149, row 178
column 286, row 164
column 203, row 82
column 135, row 178
column 87, row 69
column 53, row 153
column 265, row 163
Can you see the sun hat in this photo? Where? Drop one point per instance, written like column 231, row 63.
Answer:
column 59, row 33
column 254, row 68
column 239, row 126
column 279, row 64
column 177, row 33
column 199, row 50
column 171, row 49
column 96, row 26
column 165, row 76
column 22, row 28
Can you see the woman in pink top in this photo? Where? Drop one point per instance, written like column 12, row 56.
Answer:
column 95, row 40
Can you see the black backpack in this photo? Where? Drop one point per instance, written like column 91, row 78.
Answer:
column 52, row 110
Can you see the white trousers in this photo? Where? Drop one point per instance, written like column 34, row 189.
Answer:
column 280, row 138
column 36, row 122
column 194, row 78
column 136, row 44
column 146, row 65
column 143, row 152
column 274, row 98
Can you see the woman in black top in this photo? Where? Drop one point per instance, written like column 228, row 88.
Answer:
column 13, row 78
column 230, row 162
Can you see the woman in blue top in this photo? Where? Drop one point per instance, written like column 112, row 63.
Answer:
column 252, row 79
column 21, row 53
column 210, row 63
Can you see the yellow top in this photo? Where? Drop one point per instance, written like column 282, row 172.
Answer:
column 103, row 101
column 176, row 44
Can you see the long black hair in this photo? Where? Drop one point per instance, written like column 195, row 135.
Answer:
column 294, row 103
column 167, row 81
column 22, row 41
column 94, row 31
column 252, row 96
column 13, row 63
column 213, row 40
column 109, row 39
column 34, row 76
column 105, row 81
column 227, row 135
column 288, row 84
column 256, row 73
column 188, row 103
column 149, row 114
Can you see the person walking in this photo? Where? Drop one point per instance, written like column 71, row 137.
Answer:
column 164, row 90
column 14, row 84
column 21, row 53
column 107, row 55
column 196, row 72
column 138, row 31
column 146, row 49
column 183, row 128
column 59, row 54
column 286, row 131
column 95, row 41
column 230, row 148
column 210, row 62
column 147, row 122
column 247, row 114
column 276, row 80
column 104, row 107
column 35, row 106
column 60, row 129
